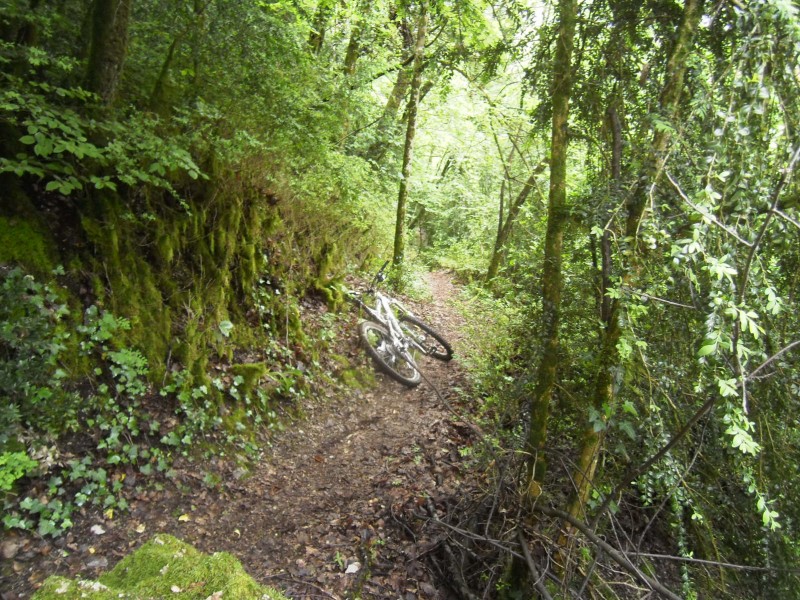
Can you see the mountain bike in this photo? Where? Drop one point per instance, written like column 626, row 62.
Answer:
column 393, row 336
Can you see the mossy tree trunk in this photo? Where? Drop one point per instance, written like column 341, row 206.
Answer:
column 109, row 46
column 604, row 391
column 388, row 120
column 416, row 85
column 551, row 274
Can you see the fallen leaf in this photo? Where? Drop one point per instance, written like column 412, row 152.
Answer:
column 140, row 528
column 183, row 518
column 97, row 530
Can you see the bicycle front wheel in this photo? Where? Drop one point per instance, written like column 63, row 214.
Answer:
column 432, row 343
column 400, row 366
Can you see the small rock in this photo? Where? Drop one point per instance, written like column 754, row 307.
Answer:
column 9, row 549
column 101, row 562
column 353, row 568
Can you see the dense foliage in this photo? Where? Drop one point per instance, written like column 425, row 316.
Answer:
column 176, row 176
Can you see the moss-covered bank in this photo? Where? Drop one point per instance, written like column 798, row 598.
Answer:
column 164, row 567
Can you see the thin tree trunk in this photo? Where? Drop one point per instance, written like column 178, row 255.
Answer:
column 505, row 226
column 551, row 275
column 416, row 85
column 158, row 98
column 108, row 48
column 604, row 393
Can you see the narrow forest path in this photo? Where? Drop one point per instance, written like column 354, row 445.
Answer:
column 325, row 514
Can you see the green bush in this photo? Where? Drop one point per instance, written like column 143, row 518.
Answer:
column 32, row 341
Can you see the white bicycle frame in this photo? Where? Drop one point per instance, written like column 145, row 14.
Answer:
column 383, row 314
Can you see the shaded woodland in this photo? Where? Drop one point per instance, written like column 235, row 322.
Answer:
column 613, row 182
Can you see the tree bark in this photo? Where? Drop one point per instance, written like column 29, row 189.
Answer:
column 551, row 275
column 416, row 84
column 109, row 47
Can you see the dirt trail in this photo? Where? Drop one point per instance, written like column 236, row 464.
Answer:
column 325, row 514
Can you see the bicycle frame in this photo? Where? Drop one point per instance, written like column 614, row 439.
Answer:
column 393, row 335
column 383, row 314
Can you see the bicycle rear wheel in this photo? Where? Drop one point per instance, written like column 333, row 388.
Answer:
column 400, row 366
column 433, row 344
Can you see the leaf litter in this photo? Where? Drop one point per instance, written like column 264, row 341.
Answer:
column 329, row 512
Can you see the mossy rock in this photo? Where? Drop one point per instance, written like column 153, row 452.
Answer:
column 25, row 243
column 164, row 567
column 251, row 374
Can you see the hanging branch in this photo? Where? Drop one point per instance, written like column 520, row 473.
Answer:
column 706, row 214
column 776, row 194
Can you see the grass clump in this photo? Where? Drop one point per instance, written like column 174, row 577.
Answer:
column 164, row 567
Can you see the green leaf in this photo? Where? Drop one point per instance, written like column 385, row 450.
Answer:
column 627, row 427
column 727, row 387
column 706, row 350
column 225, row 328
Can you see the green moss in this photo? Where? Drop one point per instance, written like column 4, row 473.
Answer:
column 162, row 568
column 24, row 242
column 251, row 374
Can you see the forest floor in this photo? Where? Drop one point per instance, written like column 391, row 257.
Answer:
column 337, row 508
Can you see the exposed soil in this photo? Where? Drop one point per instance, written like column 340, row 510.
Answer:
column 324, row 515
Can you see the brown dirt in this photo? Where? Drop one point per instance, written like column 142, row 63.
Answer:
column 327, row 513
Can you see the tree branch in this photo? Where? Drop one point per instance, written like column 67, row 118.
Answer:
column 616, row 555
column 772, row 358
column 705, row 214
column 538, row 580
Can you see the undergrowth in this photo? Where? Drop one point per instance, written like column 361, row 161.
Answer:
column 80, row 411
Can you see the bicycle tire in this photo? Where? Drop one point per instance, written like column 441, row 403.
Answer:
column 378, row 345
column 432, row 341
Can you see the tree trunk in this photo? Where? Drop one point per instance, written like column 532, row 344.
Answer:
column 416, row 85
column 388, row 120
column 108, row 47
column 354, row 45
column 551, row 275
column 604, row 393
column 504, row 227
column 317, row 36
column 158, row 97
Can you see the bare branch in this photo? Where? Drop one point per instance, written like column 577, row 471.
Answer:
column 783, row 215
column 772, row 358
column 665, row 301
column 616, row 555
column 705, row 214
column 712, row 563
column 538, row 580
